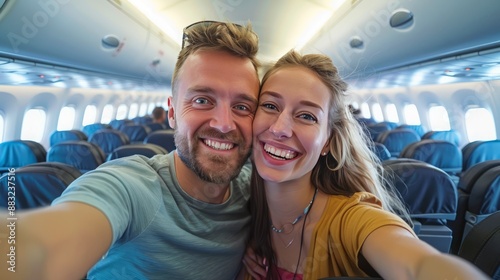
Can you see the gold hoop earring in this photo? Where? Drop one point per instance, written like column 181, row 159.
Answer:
column 336, row 164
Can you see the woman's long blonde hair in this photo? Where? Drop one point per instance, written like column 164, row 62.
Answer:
column 350, row 165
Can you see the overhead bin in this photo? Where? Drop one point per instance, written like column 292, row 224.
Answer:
column 117, row 39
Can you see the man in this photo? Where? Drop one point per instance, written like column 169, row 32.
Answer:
column 176, row 216
column 159, row 115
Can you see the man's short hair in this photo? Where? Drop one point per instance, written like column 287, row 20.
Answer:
column 232, row 38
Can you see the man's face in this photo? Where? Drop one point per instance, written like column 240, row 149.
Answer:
column 213, row 112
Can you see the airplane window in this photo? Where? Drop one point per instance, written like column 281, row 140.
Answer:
column 392, row 113
column 89, row 116
column 377, row 113
column 151, row 107
column 1, row 127
column 33, row 125
column 66, row 118
column 365, row 110
column 485, row 131
column 121, row 113
column 107, row 114
column 132, row 113
column 438, row 118
column 411, row 114
column 143, row 110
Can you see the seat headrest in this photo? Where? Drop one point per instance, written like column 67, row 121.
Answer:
column 17, row 153
column 82, row 155
column 147, row 150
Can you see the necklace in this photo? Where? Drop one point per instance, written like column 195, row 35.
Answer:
column 288, row 227
column 302, row 236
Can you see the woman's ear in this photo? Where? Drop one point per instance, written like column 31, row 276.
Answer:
column 171, row 112
column 326, row 148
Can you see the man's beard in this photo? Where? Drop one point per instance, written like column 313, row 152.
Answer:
column 221, row 171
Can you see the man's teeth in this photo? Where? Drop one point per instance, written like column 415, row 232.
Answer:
column 283, row 154
column 218, row 145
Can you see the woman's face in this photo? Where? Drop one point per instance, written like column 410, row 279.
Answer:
column 291, row 124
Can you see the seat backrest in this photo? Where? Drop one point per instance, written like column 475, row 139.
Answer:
column 479, row 151
column 17, row 153
column 419, row 129
column 485, row 194
column 155, row 126
column 375, row 129
column 135, row 132
column 83, row 155
column 109, row 139
column 381, row 151
column 117, row 124
column 142, row 119
column 446, row 135
column 442, row 154
column 91, row 128
column 428, row 192
column 465, row 185
column 481, row 245
column 37, row 184
column 147, row 150
column 66, row 135
column 163, row 138
column 397, row 139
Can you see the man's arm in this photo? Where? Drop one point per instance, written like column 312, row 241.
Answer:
column 57, row 242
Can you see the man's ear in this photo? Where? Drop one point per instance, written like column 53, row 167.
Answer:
column 171, row 112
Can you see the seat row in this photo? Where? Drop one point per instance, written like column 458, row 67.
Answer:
column 104, row 145
column 135, row 132
column 443, row 213
column 443, row 154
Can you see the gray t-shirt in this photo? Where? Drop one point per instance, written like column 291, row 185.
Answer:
column 159, row 231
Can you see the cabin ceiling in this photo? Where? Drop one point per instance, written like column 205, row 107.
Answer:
column 446, row 41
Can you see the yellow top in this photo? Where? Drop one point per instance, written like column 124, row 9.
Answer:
column 340, row 233
column 342, row 230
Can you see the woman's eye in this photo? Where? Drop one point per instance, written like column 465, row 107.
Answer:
column 308, row 117
column 269, row 106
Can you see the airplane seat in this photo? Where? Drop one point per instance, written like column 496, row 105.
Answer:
column 155, row 126
column 91, row 128
column 17, row 153
column 430, row 197
column 163, row 138
column 366, row 121
column 484, row 198
column 446, row 135
column 109, row 139
column 396, row 140
column 480, row 246
column 38, row 184
column 67, row 135
column 142, row 120
column 391, row 125
column 136, row 132
column 479, row 151
column 442, row 154
column 117, row 124
column 82, row 155
column 374, row 130
column 464, row 188
column 419, row 129
column 147, row 150
column 381, row 151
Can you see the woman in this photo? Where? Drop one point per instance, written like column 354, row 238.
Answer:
column 319, row 206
